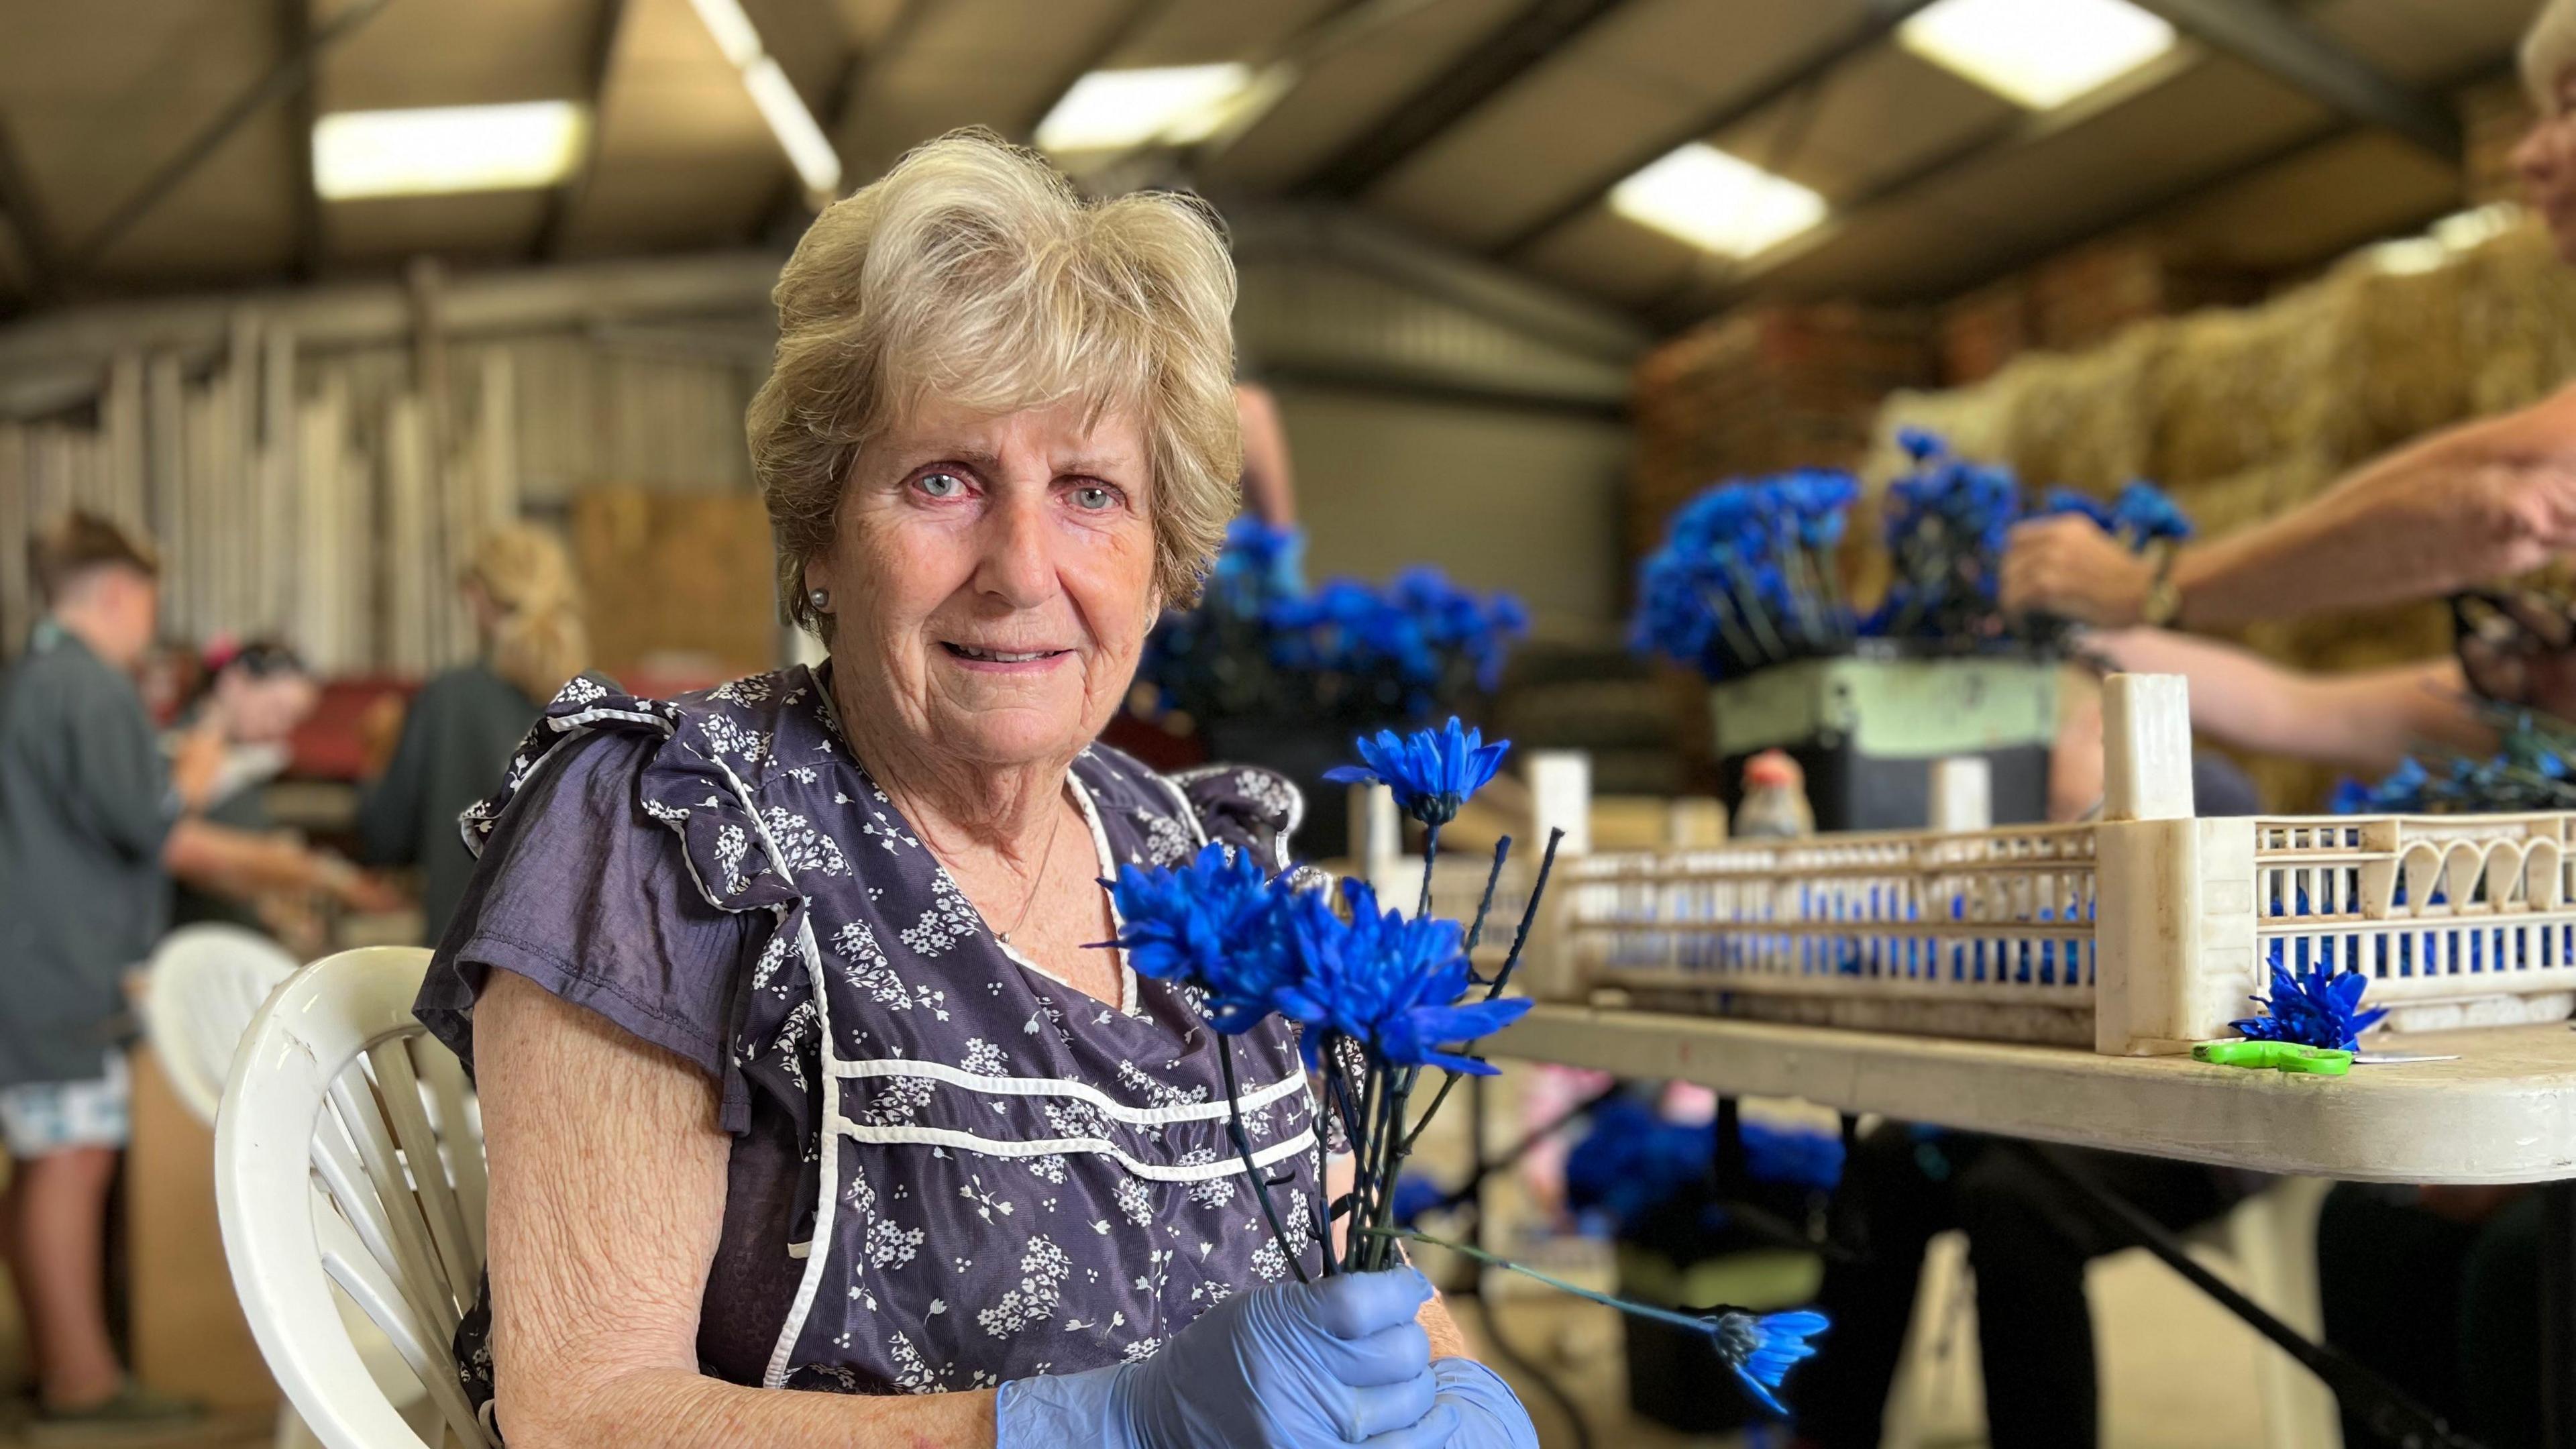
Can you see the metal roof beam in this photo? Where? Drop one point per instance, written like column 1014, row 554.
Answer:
column 293, row 72
column 1881, row 20
column 2282, row 43
column 556, row 228
column 37, row 243
column 1488, row 69
column 295, row 36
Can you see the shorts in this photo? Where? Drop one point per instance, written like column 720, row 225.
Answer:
column 41, row 1118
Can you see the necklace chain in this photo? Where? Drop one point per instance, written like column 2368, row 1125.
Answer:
column 1038, row 882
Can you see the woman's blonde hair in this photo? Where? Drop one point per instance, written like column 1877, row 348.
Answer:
column 2548, row 48
column 972, row 272
column 539, row 642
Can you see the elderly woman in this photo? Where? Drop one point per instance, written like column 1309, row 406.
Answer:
column 801, row 1066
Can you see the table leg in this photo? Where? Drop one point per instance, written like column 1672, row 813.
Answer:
column 2397, row 1419
column 2558, row 1314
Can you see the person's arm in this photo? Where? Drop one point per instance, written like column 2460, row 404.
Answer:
column 245, row 864
column 2480, row 501
column 1269, row 485
column 2367, row 720
column 607, row 1197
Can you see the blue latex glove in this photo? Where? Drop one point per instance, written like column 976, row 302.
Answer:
column 1490, row 1415
column 1287, row 1366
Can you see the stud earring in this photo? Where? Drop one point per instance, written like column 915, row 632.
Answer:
column 820, row 599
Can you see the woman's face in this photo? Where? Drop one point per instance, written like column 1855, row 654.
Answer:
column 991, row 579
column 2546, row 160
column 260, row 711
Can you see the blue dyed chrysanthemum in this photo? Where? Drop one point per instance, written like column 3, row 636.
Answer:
column 1432, row 772
column 1388, row 982
column 1211, row 924
column 1763, row 1349
column 1631, row 1162
column 2312, row 1007
column 2144, row 513
column 1416, row 1195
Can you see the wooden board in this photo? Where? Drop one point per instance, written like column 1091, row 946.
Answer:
column 2504, row 1112
column 189, row 1335
column 676, row 575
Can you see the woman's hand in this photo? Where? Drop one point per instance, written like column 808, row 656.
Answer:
column 1288, row 1366
column 2069, row 567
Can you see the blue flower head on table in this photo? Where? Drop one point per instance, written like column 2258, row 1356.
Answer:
column 1383, row 980
column 1745, row 577
column 1211, row 924
column 1762, row 1349
column 2312, row 1007
column 1431, row 771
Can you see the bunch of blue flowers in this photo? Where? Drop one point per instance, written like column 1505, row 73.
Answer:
column 1947, row 525
column 1379, row 998
column 1745, row 577
column 2530, row 770
column 1263, row 645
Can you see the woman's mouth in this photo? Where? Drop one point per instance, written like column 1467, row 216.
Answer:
column 977, row 657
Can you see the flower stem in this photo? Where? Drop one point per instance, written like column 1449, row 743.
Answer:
column 1243, row 1149
column 1476, row 929
column 1693, row 1322
column 1430, row 858
column 1494, row 988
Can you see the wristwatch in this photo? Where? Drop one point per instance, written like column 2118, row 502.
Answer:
column 2163, row 600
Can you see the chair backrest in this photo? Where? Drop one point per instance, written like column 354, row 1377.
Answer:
column 338, row 1087
column 202, row 987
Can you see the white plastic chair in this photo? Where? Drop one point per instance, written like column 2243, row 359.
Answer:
column 337, row 1084
column 201, row 988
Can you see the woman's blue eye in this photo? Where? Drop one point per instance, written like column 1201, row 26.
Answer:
column 1093, row 498
column 942, row 485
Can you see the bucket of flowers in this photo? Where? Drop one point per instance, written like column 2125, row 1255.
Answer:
column 1383, row 1001
column 1271, row 672
column 1744, row 590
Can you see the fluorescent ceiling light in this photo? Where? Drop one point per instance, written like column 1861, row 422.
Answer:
column 1172, row 104
column 2040, row 53
column 817, row 164
column 447, row 149
column 1716, row 202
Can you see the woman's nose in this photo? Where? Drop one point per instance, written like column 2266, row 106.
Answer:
column 1018, row 562
column 2536, row 154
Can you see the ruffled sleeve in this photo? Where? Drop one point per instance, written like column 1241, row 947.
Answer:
column 1246, row 806
column 632, row 875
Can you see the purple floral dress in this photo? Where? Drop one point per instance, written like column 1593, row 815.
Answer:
column 950, row 1169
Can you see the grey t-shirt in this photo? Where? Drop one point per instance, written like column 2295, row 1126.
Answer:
column 85, row 805
column 455, row 749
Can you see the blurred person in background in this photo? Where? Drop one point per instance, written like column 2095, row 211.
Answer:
column 251, row 700
column 458, row 736
column 1269, row 484
column 2481, row 501
column 94, row 820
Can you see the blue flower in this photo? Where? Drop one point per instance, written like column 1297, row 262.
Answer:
column 2312, row 1007
column 2144, row 513
column 1763, row 1349
column 1792, row 1155
column 1213, row 925
column 1631, row 1162
column 2067, row 500
column 1432, row 772
column 1389, row 983
column 1416, row 1195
